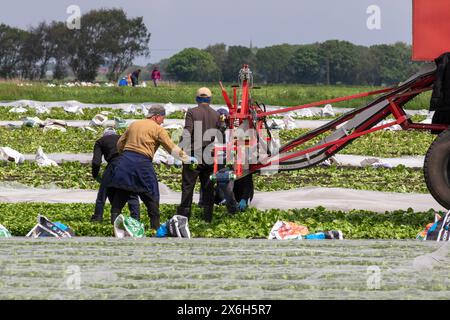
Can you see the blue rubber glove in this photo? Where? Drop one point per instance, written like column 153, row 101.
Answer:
column 192, row 160
column 177, row 163
column 243, row 205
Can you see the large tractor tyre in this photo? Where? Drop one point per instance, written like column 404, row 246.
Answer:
column 437, row 169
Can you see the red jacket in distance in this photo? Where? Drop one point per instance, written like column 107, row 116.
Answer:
column 156, row 75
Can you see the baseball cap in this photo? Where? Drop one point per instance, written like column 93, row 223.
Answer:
column 204, row 92
column 156, row 110
column 109, row 131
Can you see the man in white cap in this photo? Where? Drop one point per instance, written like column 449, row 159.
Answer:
column 199, row 120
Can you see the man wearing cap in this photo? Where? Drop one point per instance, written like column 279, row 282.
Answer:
column 106, row 147
column 200, row 130
column 134, row 173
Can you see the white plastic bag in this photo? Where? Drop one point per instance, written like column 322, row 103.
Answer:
column 32, row 122
column 328, row 111
column 289, row 122
column 99, row 120
column 304, row 113
column 12, row 155
column 131, row 109
column 51, row 127
column 42, row 109
column 42, row 160
column 170, row 108
column 4, row 233
column 74, row 109
column 18, row 110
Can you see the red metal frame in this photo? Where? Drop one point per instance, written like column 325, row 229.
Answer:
column 238, row 115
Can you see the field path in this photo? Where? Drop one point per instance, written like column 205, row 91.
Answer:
column 312, row 197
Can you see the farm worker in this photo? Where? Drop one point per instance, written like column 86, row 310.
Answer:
column 106, row 147
column 123, row 82
column 198, row 137
column 134, row 173
column 135, row 77
column 156, row 76
column 130, row 83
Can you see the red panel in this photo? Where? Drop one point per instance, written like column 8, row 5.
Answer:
column 431, row 28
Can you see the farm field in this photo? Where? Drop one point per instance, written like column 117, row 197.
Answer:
column 377, row 144
column 73, row 175
column 278, row 95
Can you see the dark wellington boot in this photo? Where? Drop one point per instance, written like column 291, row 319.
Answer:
column 114, row 217
column 186, row 212
column 208, row 214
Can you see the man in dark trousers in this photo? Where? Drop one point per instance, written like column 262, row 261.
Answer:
column 107, row 147
column 134, row 172
column 199, row 120
column 135, row 77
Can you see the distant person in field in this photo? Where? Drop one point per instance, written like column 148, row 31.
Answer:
column 135, row 77
column 156, row 76
column 123, row 82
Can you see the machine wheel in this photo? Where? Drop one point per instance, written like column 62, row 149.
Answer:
column 436, row 169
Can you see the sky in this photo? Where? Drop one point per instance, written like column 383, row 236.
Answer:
column 179, row 24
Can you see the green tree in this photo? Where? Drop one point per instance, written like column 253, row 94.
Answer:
column 339, row 61
column 273, row 63
column 193, row 64
column 219, row 53
column 127, row 39
column 390, row 64
column 306, row 64
column 12, row 41
column 236, row 58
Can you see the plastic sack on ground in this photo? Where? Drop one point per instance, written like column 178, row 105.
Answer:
column 170, row 108
column 330, row 161
column 128, row 227
column 304, row 113
column 120, row 123
column 328, row 111
column 289, row 122
column 283, row 230
column 42, row 109
column 18, row 110
column 51, row 127
column 32, row 122
column 45, row 228
column 8, row 154
column 74, row 109
column 377, row 163
column 173, row 126
column 42, row 160
column 131, row 109
column 277, row 124
column 4, row 233
column 429, row 118
column 178, row 226
column 437, row 231
column 99, row 120
column 394, row 127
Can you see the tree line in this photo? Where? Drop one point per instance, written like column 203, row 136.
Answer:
column 106, row 37
column 330, row 62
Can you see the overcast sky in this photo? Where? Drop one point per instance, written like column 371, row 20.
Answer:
column 178, row 24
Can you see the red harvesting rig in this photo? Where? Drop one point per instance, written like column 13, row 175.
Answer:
column 249, row 147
